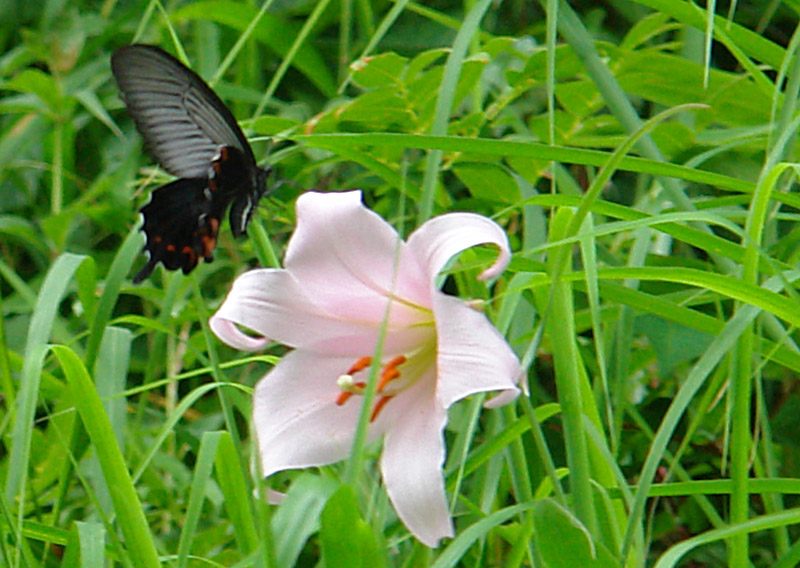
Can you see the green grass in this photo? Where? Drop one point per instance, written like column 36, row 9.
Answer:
column 641, row 158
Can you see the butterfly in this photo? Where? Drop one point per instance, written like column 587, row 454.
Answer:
column 193, row 136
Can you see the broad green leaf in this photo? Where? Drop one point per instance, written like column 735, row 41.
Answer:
column 380, row 109
column 488, row 181
column 382, row 70
column 347, row 540
column 563, row 542
column 298, row 516
column 40, row 84
column 127, row 507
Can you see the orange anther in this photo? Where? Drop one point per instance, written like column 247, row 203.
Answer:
column 378, row 407
column 360, row 365
column 396, row 362
column 387, row 376
column 390, row 371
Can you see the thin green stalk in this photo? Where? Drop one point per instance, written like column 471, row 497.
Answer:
column 709, row 40
column 768, row 466
column 550, row 81
column 311, row 21
column 786, row 111
column 264, row 250
column 581, row 41
column 741, row 387
column 367, row 17
column 240, row 41
column 568, row 376
column 224, row 400
column 376, row 36
column 358, row 449
column 345, row 25
column 543, row 450
column 6, row 384
column 444, row 104
column 57, row 195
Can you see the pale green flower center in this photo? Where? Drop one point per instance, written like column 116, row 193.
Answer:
column 396, row 375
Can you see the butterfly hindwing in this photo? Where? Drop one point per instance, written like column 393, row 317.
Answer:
column 181, row 223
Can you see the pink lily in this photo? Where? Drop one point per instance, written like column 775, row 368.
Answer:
column 344, row 267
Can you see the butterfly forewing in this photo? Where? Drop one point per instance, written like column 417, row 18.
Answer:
column 194, row 136
column 182, row 120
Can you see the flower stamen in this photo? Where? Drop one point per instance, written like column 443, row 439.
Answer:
column 390, row 371
column 348, row 385
column 378, row 406
column 359, row 365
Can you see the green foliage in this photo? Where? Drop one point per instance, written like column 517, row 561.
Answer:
column 646, row 183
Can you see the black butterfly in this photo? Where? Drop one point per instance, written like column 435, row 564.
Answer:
column 192, row 135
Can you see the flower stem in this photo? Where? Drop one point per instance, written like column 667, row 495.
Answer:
column 264, row 251
column 568, row 375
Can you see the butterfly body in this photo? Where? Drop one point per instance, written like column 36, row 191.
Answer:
column 195, row 137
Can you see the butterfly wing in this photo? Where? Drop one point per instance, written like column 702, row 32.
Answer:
column 182, row 120
column 181, row 223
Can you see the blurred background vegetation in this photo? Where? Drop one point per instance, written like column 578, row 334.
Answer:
column 341, row 95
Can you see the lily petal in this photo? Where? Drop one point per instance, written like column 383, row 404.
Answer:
column 271, row 303
column 441, row 238
column 472, row 355
column 344, row 255
column 411, row 464
column 297, row 420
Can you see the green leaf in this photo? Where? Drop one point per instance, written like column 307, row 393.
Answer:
column 39, row 331
column 673, row 343
column 488, row 181
column 129, row 510
column 201, row 480
column 381, row 109
column 563, row 542
column 422, row 61
column 40, row 84
column 234, row 485
column 272, row 125
column 379, row 70
column 297, row 518
column 670, row 80
column 347, row 540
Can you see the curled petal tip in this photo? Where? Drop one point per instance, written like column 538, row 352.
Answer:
column 502, row 399
column 227, row 331
column 500, row 264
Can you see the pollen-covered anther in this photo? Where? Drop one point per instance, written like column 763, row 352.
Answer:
column 349, row 387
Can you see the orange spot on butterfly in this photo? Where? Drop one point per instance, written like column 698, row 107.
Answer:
column 209, row 244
